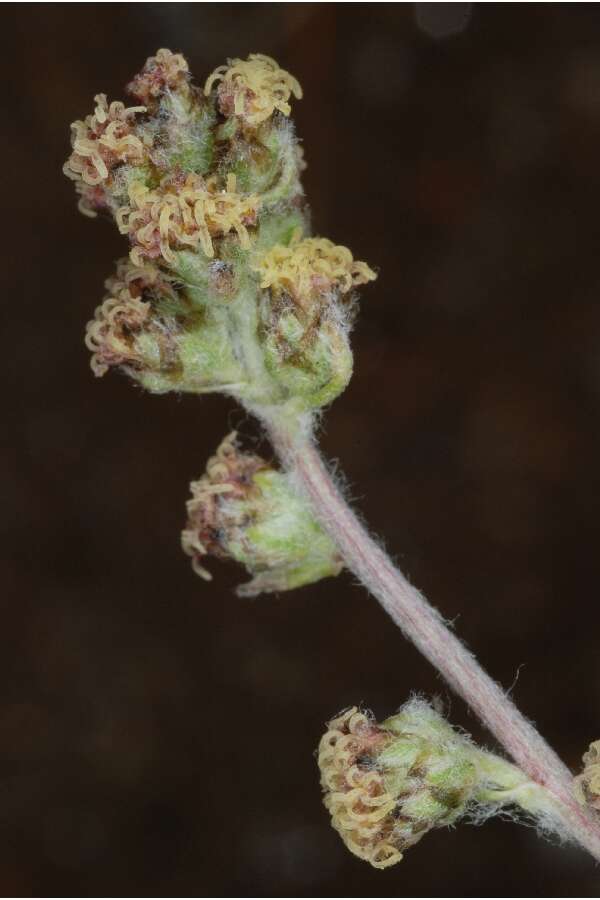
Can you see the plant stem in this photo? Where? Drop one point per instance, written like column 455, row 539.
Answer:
column 424, row 626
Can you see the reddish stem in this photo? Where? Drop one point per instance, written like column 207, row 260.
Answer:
column 423, row 625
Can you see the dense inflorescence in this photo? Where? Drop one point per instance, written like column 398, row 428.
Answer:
column 225, row 289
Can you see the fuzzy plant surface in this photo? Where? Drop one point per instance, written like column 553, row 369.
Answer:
column 225, row 289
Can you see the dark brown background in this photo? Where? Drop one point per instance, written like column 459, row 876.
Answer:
column 157, row 733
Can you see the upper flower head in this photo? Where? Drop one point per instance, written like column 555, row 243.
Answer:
column 253, row 89
column 102, row 142
column 311, row 268
column 184, row 212
column 164, row 72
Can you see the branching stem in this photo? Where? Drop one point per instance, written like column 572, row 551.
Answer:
column 424, row 626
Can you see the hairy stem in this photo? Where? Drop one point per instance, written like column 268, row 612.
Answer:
column 424, row 626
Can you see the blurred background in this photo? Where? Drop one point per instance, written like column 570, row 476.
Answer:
column 157, row 733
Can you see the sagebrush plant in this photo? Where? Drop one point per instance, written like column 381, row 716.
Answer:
column 226, row 290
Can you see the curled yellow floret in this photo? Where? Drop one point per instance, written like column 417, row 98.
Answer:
column 186, row 213
column 254, row 88
column 102, row 141
column 360, row 806
column 309, row 267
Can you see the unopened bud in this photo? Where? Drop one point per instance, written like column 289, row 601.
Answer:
column 242, row 509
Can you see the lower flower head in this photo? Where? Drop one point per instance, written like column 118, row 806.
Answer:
column 387, row 785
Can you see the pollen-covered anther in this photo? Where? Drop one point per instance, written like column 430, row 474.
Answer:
column 253, row 89
column 587, row 785
column 185, row 212
column 311, row 268
column 102, row 141
column 166, row 71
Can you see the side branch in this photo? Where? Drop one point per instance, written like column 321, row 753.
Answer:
column 423, row 625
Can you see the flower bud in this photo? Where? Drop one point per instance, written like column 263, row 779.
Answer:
column 387, row 785
column 587, row 785
column 243, row 509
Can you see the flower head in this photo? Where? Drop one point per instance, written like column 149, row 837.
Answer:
column 102, row 142
column 311, row 269
column 164, row 72
column 184, row 212
column 243, row 509
column 125, row 331
column 253, row 89
column 387, row 785
column 306, row 316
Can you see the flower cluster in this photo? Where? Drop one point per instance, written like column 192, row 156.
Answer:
column 206, row 186
column 253, row 89
column 245, row 510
